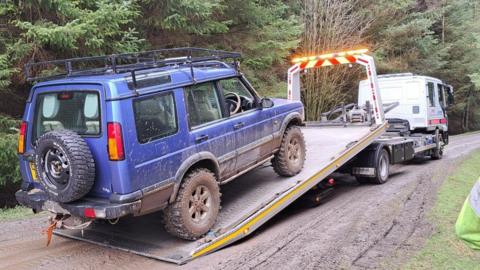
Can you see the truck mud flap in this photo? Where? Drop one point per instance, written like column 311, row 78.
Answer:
column 247, row 202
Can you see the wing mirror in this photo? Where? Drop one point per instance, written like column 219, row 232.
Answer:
column 450, row 97
column 266, row 103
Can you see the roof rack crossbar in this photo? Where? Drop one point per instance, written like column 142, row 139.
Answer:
column 126, row 62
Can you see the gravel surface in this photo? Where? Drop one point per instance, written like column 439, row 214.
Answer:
column 359, row 227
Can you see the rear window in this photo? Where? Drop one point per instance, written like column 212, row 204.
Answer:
column 78, row 111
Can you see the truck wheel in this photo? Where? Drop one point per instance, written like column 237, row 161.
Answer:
column 65, row 165
column 289, row 159
column 196, row 207
column 445, row 137
column 437, row 153
column 382, row 170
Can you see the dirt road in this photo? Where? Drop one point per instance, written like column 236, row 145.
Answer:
column 360, row 227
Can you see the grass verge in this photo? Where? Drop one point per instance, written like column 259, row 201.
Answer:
column 16, row 212
column 444, row 250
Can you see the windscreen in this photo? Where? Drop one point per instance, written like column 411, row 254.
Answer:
column 78, row 111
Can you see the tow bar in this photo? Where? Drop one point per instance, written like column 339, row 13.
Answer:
column 58, row 222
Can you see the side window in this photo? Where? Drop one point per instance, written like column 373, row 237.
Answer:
column 202, row 104
column 234, row 85
column 155, row 117
column 431, row 94
column 237, row 96
column 440, row 93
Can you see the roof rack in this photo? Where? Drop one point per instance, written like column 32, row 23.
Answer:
column 125, row 63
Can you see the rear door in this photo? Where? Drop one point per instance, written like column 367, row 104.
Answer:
column 208, row 126
column 79, row 108
column 160, row 141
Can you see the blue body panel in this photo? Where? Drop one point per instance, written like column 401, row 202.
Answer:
column 159, row 161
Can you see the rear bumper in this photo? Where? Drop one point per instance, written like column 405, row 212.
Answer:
column 39, row 201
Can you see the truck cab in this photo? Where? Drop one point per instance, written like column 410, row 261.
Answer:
column 422, row 100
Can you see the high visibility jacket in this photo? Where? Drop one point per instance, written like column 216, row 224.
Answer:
column 468, row 222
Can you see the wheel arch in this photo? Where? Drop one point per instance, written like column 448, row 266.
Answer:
column 376, row 148
column 199, row 160
column 294, row 118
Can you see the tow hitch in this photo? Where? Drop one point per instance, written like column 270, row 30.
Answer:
column 63, row 221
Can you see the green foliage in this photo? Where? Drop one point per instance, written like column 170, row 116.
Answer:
column 5, row 71
column 179, row 16
column 10, row 178
column 9, row 125
column 440, row 40
column 15, row 213
column 198, row 17
column 9, row 168
column 264, row 31
column 100, row 28
column 49, row 29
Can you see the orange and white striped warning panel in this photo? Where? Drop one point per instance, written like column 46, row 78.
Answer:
column 323, row 60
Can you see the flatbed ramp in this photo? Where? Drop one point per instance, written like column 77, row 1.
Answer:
column 247, row 202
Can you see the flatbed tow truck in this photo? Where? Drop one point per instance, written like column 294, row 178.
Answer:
column 259, row 195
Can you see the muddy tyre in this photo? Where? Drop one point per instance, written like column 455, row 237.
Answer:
column 290, row 158
column 65, row 165
column 196, row 207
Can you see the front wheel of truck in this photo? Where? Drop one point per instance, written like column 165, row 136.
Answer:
column 290, row 158
column 196, row 207
column 437, row 152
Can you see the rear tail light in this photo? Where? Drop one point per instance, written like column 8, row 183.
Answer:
column 89, row 212
column 22, row 137
column 94, row 213
column 115, row 141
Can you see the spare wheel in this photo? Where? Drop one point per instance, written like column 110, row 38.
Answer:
column 65, row 165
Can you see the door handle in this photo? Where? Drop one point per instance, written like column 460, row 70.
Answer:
column 239, row 125
column 201, row 138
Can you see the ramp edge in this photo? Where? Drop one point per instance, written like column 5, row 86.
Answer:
column 144, row 254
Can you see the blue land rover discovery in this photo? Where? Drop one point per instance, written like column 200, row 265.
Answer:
column 135, row 133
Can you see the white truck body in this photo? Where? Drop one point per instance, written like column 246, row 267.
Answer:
column 422, row 100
